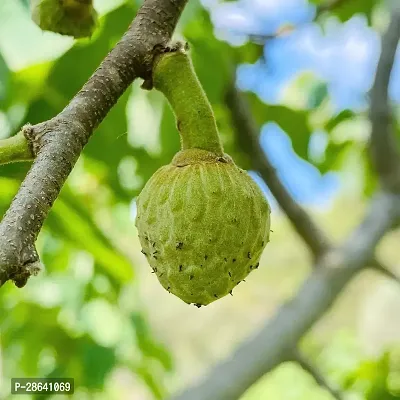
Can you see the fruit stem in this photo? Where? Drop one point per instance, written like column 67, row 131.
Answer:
column 175, row 77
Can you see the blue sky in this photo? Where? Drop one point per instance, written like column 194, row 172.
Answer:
column 344, row 56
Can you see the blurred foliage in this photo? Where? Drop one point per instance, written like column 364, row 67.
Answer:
column 346, row 9
column 82, row 315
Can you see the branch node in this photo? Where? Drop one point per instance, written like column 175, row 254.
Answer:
column 33, row 137
column 25, row 272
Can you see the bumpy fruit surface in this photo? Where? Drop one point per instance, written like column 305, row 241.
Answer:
column 203, row 224
column 75, row 18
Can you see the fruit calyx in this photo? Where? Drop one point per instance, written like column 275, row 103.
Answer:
column 199, row 156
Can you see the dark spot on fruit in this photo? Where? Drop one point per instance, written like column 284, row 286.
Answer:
column 169, row 287
column 230, row 292
column 180, row 268
column 242, row 243
column 162, row 273
column 155, row 257
column 225, row 259
column 205, row 257
column 191, row 277
column 233, row 259
column 251, row 267
column 154, row 244
column 154, row 252
column 229, row 272
column 222, row 159
column 238, row 283
column 201, row 265
column 271, row 230
column 143, row 252
column 215, row 296
column 146, row 238
column 197, row 305
column 257, row 265
column 179, row 246
column 154, row 270
column 234, row 220
column 262, row 243
column 249, row 255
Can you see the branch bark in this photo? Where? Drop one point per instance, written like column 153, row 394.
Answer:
column 57, row 143
column 384, row 149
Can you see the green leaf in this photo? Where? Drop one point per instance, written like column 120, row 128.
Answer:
column 338, row 119
column 346, row 9
column 76, row 226
column 318, row 93
column 146, row 343
column 333, row 156
column 97, row 363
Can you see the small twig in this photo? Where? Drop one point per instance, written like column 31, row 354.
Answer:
column 377, row 266
column 316, row 374
column 384, row 150
column 14, row 149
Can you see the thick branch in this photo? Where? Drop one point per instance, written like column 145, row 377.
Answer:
column 248, row 137
column 385, row 153
column 316, row 374
column 274, row 343
column 59, row 142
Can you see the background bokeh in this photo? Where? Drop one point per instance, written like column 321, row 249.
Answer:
column 95, row 312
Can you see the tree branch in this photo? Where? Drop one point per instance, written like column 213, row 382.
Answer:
column 383, row 144
column 16, row 148
column 377, row 266
column 57, row 143
column 274, row 343
column 316, row 374
column 247, row 133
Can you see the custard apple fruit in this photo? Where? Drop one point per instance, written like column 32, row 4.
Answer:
column 75, row 18
column 203, row 224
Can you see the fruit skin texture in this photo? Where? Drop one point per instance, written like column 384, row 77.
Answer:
column 203, row 224
column 75, row 18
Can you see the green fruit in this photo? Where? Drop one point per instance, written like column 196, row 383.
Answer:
column 75, row 18
column 203, row 224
